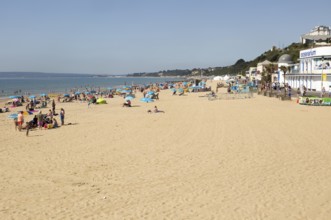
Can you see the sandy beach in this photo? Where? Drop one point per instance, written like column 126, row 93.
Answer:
column 258, row 158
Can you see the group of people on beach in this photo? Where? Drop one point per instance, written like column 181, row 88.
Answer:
column 48, row 120
column 40, row 120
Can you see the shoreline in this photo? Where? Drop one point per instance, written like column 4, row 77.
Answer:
column 54, row 87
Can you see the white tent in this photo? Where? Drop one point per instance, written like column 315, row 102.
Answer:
column 226, row 77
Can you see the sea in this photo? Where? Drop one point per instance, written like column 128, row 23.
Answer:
column 35, row 84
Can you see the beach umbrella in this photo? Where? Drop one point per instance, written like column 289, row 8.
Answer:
column 87, row 93
column 13, row 97
column 93, row 91
column 126, row 87
column 126, row 91
column 77, row 93
column 131, row 95
column 43, row 94
column 129, row 98
column 66, row 95
column 147, row 100
column 32, row 96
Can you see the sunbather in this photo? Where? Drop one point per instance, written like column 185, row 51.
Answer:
column 156, row 110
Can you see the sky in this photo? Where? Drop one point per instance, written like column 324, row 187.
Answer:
column 130, row 36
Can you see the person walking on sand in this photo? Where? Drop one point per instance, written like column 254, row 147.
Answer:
column 28, row 126
column 62, row 113
column 20, row 120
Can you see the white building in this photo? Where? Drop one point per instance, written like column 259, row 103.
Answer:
column 260, row 66
column 314, row 63
column 252, row 73
column 286, row 61
column 320, row 35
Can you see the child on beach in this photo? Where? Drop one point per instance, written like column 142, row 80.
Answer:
column 62, row 116
column 27, row 127
column 15, row 123
column 55, row 124
column 127, row 103
column 156, row 110
column 40, row 120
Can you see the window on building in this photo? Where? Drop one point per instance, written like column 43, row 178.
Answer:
column 319, row 64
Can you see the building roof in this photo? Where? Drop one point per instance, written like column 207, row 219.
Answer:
column 264, row 63
column 285, row 58
column 316, row 37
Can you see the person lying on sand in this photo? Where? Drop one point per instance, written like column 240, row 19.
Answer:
column 156, row 110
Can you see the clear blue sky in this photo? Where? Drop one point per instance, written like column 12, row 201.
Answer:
column 126, row 36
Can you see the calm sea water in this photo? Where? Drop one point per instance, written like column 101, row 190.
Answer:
column 37, row 85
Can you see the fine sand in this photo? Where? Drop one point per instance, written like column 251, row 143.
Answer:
column 258, row 158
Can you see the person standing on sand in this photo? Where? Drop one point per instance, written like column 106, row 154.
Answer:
column 62, row 116
column 15, row 123
column 53, row 107
column 40, row 120
column 20, row 120
column 28, row 126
